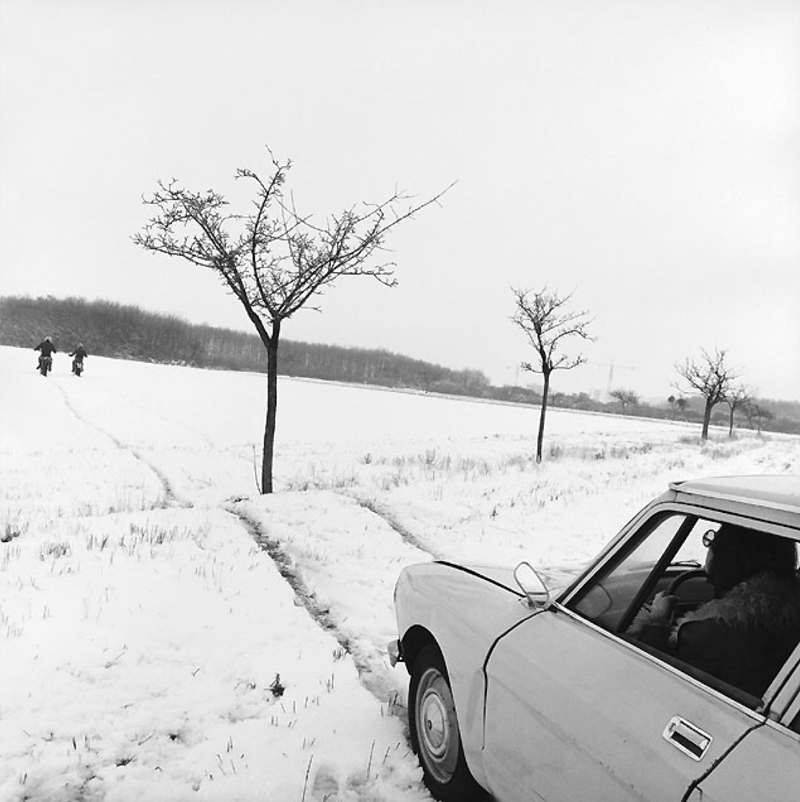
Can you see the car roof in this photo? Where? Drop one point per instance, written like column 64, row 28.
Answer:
column 770, row 498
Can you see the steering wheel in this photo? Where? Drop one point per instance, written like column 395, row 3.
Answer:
column 684, row 576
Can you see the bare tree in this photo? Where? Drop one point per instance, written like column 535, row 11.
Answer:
column 709, row 376
column 273, row 259
column 736, row 398
column 546, row 322
column 754, row 410
column 625, row 397
column 677, row 405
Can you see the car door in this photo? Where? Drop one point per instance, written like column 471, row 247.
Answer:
column 575, row 711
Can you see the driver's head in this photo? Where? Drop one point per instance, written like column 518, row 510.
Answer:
column 736, row 554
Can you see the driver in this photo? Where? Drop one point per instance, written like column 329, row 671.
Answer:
column 745, row 634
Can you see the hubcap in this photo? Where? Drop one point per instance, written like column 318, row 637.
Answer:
column 437, row 726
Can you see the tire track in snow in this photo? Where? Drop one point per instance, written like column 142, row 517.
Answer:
column 405, row 534
column 171, row 499
column 174, row 424
column 318, row 611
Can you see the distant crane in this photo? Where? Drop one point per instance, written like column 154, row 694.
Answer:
column 516, row 373
column 611, row 367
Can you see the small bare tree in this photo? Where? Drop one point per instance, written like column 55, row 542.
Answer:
column 546, row 322
column 677, row 404
column 709, row 376
column 736, row 398
column 625, row 397
column 754, row 410
column 273, row 260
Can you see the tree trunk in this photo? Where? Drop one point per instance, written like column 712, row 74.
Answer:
column 272, row 409
column 706, row 419
column 730, row 427
column 542, row 413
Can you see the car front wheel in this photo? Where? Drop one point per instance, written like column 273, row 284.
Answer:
column 434, row 731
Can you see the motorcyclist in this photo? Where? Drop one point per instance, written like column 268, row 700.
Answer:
column 79, row 354
column 47, row 350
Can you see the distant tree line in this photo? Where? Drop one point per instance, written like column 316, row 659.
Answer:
column 127, row 332
column 710, row 382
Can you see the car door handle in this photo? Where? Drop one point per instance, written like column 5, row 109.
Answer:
column 683, row 735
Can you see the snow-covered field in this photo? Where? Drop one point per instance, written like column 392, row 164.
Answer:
column 168, row 634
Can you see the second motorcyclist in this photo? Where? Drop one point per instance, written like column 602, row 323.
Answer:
column 79, row 354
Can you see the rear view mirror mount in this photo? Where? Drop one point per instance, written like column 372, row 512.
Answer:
column 532, row 585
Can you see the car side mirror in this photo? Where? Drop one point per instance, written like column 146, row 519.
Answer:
column 532, row 585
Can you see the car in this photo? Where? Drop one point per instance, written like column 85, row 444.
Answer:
column 592, row 692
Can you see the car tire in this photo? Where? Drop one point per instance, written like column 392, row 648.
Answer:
column 435, row 736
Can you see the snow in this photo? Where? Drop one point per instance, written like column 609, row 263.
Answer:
column 167, row 633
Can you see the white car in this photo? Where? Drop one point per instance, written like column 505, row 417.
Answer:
column 632, row 683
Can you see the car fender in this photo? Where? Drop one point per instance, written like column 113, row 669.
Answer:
column 464, row 610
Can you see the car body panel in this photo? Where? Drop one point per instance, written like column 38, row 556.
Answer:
column 764, row 766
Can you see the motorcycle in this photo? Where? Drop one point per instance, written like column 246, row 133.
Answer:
column 45, row 364
column 77, row 366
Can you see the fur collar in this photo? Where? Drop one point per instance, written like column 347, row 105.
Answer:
column 765, row 601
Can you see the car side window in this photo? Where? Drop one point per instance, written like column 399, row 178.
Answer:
column 608, row 598
column 733, row 629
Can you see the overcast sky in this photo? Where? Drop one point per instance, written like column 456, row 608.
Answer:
column 644, row 155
